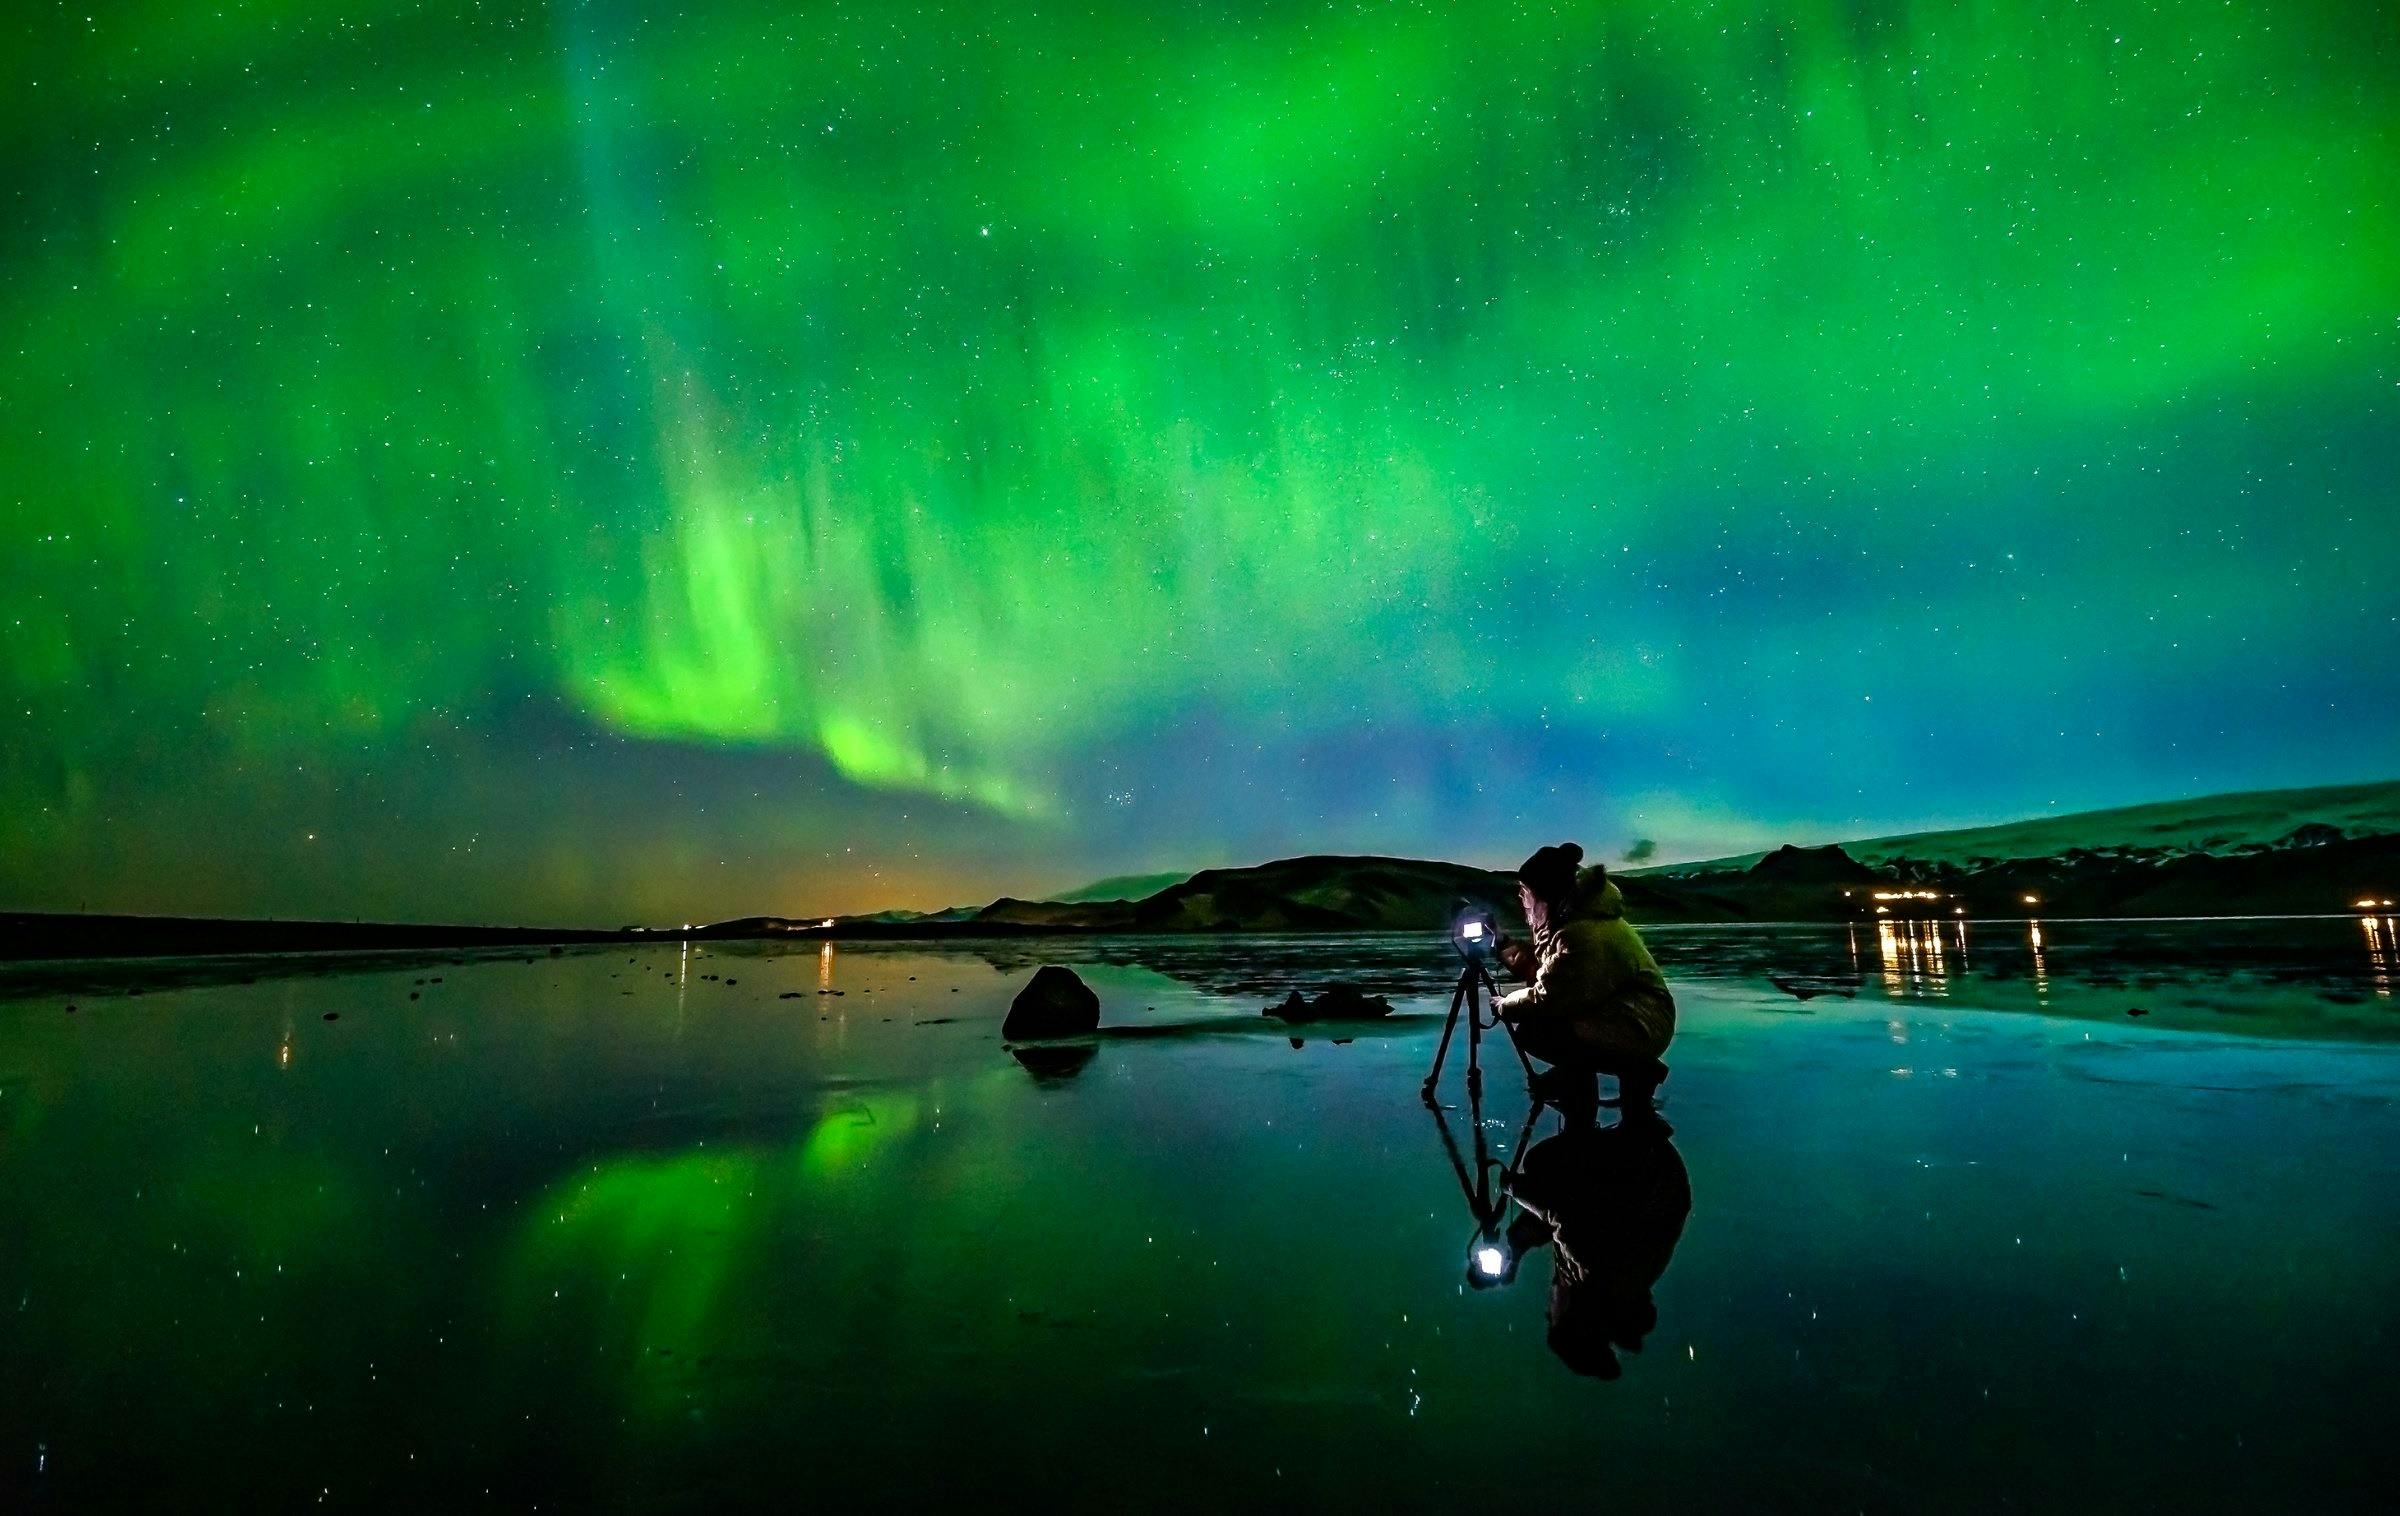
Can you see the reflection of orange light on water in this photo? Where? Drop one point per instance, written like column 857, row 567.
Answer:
column 825, row 967
column 2382, row 947
column 1914, row 953
column 1888, row 941
column 1941, row 953
column 2041, row 972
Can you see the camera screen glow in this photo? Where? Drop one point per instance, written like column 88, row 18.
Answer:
column 1490, row 1261
column 1474, row 931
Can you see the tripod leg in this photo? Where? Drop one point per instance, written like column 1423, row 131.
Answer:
column 1516, row 1160
column 1449, row 1026
column 1514, row 1046
column 1458, row 1162
column 1474, row 1037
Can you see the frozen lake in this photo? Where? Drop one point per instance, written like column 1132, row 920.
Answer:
column 662, row 1228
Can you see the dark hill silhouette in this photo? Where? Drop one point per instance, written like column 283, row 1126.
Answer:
column 1323, row 893
column 1811, row 865
column 2272, row 853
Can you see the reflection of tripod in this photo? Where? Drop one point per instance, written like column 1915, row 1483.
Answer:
column 1490, row 1258
column 1474, row 982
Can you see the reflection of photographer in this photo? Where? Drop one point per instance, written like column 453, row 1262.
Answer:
column 1612, row 1201
column 1594, row 1002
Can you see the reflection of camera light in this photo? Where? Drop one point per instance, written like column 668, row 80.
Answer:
column 1490, row 1261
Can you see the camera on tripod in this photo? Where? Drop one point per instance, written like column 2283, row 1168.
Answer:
column 1475, row 933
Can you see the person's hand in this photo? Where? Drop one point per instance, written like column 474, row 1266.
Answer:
column 1515, row 957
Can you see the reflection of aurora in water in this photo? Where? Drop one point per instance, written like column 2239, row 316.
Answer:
column 621, row 1230
column 848, row 452
column 650, row 1254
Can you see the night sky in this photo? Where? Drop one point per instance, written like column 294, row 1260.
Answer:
column 609, row 462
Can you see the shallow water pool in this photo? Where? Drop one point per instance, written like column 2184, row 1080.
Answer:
column 679, row 1227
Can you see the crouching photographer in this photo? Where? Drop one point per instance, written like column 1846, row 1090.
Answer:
column 1593, row 1000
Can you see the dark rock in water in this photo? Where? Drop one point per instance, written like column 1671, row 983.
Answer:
column 1054, row 1003
column 1338, row 1001
column 337, row 1015
column 2139, row 1010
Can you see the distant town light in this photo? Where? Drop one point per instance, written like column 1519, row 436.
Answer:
column 2033, row 900
column 827, row 923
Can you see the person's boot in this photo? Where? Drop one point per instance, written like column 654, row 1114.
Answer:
column 1637, row 1090
column 1573, row 1093
column 1558, row 1082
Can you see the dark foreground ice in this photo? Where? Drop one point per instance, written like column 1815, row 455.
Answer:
column 670, row 1229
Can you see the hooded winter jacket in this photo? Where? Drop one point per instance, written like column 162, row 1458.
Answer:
column 1594, row 982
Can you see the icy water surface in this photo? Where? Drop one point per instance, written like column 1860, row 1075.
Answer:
column 1940, row 1224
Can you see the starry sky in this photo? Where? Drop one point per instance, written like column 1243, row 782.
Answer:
column 602, row 461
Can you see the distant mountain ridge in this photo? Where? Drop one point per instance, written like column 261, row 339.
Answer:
column 2217, row 824
column 2276, row 852
column 2268, row 852
column 1124, row 887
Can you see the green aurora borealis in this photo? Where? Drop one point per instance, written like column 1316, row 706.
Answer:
column 605, row 462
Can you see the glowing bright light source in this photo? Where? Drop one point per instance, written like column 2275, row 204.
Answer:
column 1491, row 1261
column 2033, row 900
column 1473, row 931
